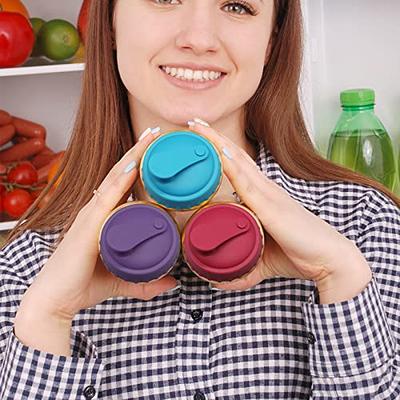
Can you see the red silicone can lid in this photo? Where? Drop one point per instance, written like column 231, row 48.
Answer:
column 222, row 242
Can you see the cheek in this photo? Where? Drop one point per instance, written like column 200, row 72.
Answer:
column 250, row 73
column 133, row 57
column 135, row 45
column 249, row 56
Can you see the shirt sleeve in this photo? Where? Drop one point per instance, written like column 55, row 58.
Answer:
column 354, row 345
column 28, row 373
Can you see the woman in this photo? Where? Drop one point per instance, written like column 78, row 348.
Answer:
column 318, row 315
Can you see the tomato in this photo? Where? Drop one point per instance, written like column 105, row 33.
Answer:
column 16, row 202
column 1, row 203
column 14, row 6
column 36, row 193
column 2, row 187
column 83, row 19
column 24, row 174
column 16, row 39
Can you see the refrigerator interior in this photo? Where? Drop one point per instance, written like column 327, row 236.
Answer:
column 351, row 44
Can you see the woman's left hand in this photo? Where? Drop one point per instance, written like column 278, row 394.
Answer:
column 298, row 244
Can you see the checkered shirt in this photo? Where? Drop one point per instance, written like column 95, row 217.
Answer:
column 272, row 341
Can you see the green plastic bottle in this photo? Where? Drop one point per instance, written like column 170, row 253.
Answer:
column 360, row 142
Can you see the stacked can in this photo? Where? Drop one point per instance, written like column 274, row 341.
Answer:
column 140, row 241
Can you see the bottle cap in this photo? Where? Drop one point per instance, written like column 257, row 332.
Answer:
column 357, row 97
column 181, row 170
column 222, row 242
column 139, row 242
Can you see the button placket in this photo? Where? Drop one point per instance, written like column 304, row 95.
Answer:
column 192, row 340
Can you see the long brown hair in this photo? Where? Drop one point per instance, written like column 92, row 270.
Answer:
column 102, row 131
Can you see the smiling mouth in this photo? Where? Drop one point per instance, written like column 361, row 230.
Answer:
column 186, row 75
column 193, row 85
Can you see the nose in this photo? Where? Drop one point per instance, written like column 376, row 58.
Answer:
column 198, row 32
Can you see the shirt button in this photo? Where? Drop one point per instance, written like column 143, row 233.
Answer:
column 199, row 396
column 311, row 338
column 197, row 315
column 89, row 392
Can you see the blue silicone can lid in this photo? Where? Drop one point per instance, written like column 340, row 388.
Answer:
column 181, row 170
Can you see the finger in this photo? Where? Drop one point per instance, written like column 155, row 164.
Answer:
column 245, row 282
column 114, row 187
column 147, row 291
column 135, row 153
column 252, row 186
column 116, row 184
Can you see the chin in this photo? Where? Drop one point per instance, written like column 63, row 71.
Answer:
column 180, row 117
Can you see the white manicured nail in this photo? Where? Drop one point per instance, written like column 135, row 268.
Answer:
column 178, row 286
column 227, row 153
column 145, row 133
column 213, row 288
column 155, row 130
column 201, row 122
column 191, row 123
column 130, row 166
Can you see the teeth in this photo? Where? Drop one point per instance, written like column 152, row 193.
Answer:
column 190, row 75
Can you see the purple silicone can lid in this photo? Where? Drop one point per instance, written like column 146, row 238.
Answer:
column 139, row 242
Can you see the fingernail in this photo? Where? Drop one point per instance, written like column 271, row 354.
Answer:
column 227, row 153
column 145, row 133
column 174, row 288
column 155, row 130
column 130, row 166
column 213, row 288
column 201, row 122
column 191, row 123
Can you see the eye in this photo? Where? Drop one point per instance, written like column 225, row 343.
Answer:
column 241, row 6
column 236, row 6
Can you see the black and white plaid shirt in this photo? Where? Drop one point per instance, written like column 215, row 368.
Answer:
column 273, row 341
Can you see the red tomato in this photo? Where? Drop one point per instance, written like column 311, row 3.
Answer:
column 24, row 174
column 2, row 187
column 1, row 203
column 16, row 202
column 16, row 39
column 36, row 193
column 82, row 19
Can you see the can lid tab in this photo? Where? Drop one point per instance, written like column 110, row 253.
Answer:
column 122, row 243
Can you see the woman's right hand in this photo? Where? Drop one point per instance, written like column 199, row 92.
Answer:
column 74, row 277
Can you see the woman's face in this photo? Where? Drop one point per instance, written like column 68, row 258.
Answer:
column 202, row 35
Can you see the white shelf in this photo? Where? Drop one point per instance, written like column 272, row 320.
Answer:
column 41, row 69
column 7, row 225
